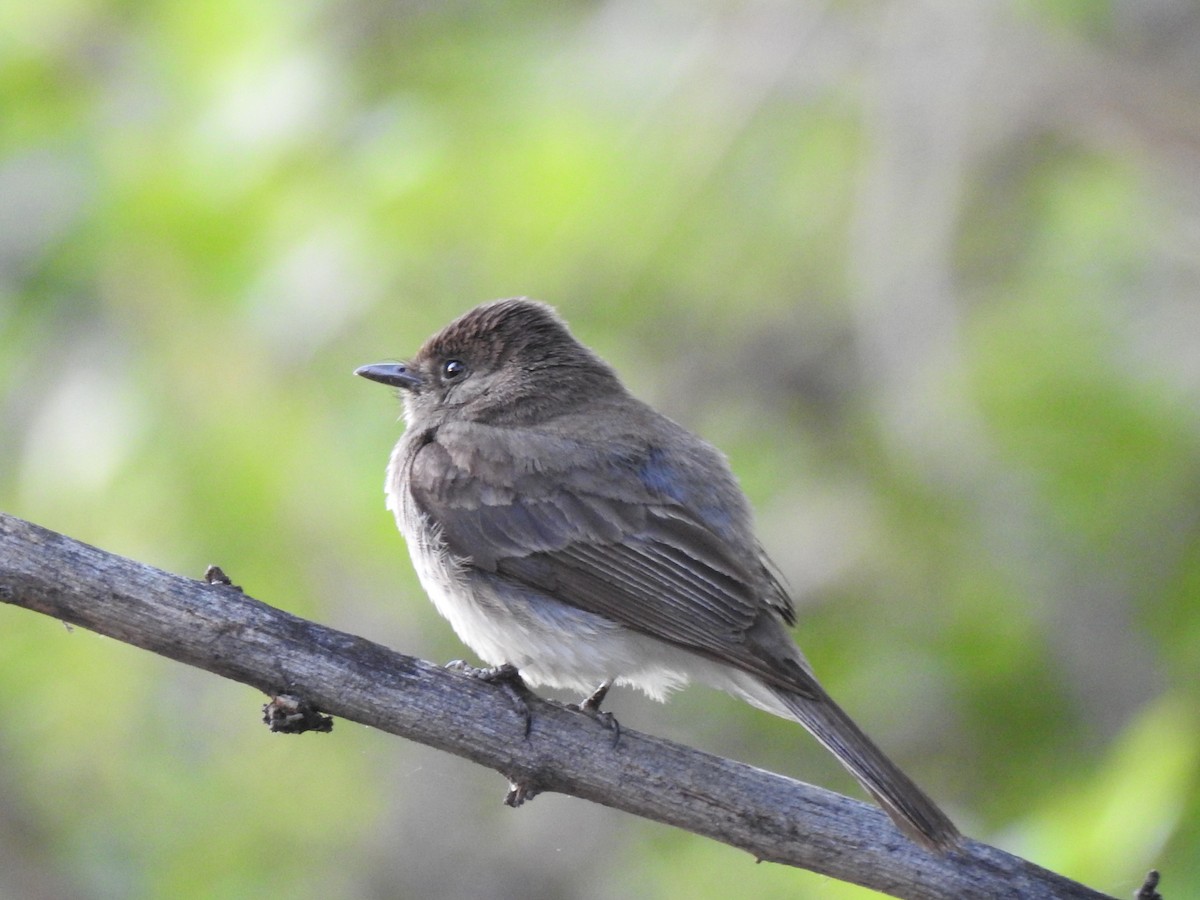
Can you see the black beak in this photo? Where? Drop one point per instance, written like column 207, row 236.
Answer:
column 395, row 374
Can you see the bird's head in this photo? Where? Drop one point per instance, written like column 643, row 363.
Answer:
column 507, row 362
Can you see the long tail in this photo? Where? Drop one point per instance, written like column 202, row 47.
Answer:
column 913, row 812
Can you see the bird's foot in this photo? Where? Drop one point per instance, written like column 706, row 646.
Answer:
column 507, row 677
column 590, row 706
column 491, row 674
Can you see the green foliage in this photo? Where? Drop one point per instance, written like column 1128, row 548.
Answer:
column 947, row 338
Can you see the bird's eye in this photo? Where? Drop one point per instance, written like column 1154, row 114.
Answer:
column 453, row 368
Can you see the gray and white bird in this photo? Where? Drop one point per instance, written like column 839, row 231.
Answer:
column 566, row 528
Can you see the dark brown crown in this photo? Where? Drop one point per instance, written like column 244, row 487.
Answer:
column 517, row 328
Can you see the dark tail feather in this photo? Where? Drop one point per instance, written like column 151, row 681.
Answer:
column 913, row 812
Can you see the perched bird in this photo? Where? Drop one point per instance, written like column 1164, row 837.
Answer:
column 566, row 528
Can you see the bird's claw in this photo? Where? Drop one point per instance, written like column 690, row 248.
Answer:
column 508, row 678
column 590, row 706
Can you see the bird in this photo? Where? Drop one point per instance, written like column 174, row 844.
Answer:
column 564, row 527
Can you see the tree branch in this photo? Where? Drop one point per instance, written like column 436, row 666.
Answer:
column 220, row 629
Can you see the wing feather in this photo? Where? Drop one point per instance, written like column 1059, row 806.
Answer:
column 619, row 546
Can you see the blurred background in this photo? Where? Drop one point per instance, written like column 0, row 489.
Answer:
column 927, row 272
